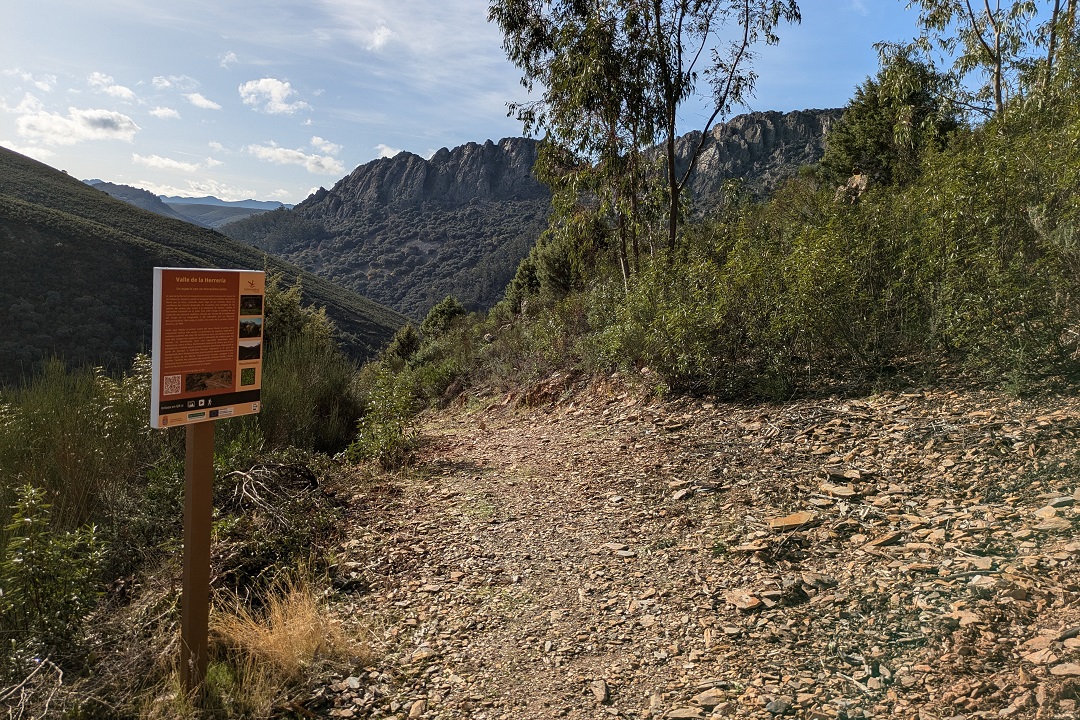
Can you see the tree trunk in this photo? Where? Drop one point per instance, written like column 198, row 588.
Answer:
column 1051, row 47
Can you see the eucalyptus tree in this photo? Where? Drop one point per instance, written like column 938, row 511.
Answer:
column 1060, row 32
column 890, row 121
column 1013, row 46
column 611, row 76
column 985, row 38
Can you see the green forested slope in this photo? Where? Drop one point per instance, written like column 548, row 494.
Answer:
column 76, row 273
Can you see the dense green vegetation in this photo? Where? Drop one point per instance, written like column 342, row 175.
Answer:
column 957, row 259
column 409, row 257
column 92, row 498
column 76, row 273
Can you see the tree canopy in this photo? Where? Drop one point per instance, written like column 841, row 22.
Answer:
column 612, row 75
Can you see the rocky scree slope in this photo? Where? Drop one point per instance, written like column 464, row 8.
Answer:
column 599, row 553
column 407, row 232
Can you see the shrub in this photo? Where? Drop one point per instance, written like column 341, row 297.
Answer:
column 50, row 581
column 441, row 317
column 385, row 434
column 309, row 398
column 80, row 436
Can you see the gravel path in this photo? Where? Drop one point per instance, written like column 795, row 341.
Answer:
column 606, row 555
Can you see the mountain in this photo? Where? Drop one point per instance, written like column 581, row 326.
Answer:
column 406, row 231
column 139, row 198
column 411, row 231
column 213, row 216
column 76, row 273
column 209, row 212
column 762, row 148
column 211, row 200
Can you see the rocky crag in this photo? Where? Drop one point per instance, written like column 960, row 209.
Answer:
column 407, row 232
column 763, row 149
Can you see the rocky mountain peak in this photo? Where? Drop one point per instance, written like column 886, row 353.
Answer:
column 408, row 231
column 489, row 172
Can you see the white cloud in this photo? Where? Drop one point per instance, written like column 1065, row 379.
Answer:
column 385, row 151
column 379, row 38
column 315, row 164
column 44, row 83
column 77, row 126
column 180, row 82
column 216, row 146
column 105, row 84
column 212, row 163
column 271, row 95
column 29, row 104
column 160, row 163
column 199, row 101
column 228, row 59
column 325, row 146
column 165, row 113
column 33, row 151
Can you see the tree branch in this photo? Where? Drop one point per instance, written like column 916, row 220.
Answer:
column 719, row 105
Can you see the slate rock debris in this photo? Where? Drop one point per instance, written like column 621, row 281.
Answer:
column 881, row 557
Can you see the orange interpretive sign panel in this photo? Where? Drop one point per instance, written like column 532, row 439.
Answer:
column 207, row 345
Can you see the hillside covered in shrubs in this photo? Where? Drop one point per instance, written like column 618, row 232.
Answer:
column 76, row 275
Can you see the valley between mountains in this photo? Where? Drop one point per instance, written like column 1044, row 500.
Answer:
column 585, row 550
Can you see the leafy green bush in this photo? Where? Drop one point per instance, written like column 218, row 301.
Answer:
column 80, row 436
column 441, row 317
column 386, row 433
column 50, row 580
column 309, row 398
column 405, row 345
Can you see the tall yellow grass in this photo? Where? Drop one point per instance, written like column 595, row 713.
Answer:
column 291, row 631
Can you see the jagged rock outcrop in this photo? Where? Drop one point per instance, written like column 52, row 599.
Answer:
column 412, row 231
column 467, row 174
column 761, row 148
column 407, row 232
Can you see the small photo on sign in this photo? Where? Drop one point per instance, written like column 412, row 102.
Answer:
column 251, row 327
column 250, row 349
column 219, row 380
column 251, row 305
column 247, row 376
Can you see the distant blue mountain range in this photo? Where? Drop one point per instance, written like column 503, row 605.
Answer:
column 210, row 200
column 206, row 211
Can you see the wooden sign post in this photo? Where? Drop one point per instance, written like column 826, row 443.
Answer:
column 207, row 365
column 195, row 597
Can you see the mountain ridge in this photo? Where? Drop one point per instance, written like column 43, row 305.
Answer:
column 211, row 200
column 206, row 211
column 407, row 231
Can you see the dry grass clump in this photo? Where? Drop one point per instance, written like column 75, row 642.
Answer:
column 292, row 631
column 259, row 656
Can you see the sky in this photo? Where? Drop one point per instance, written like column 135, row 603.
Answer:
column 271, row 100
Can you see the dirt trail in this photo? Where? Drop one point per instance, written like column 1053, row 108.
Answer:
column 607, row 555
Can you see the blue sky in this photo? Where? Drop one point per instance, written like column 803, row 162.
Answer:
column 272, row 99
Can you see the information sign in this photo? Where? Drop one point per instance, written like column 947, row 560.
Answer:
column 207, row 345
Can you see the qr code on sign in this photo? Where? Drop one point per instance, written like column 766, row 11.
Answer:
column 172, row 384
